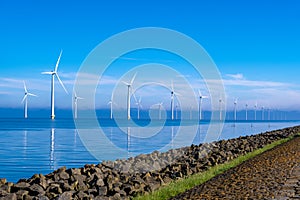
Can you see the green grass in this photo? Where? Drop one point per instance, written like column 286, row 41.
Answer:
column 180, row 186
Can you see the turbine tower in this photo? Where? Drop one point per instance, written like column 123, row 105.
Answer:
column 220, row 106
column 25, row 101
column 111, row 105
column 255, row 108
column 159, row 110
column 176, row 111
column 200, row 104
column 55, row 74
column 173, row 93
column 235, row 104
column 129, row 86
column 246, row 111
column 139, row 105
column 262, row 112
column 76, row 98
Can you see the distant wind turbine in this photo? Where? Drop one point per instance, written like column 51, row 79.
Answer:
column 129, row 86
column 255, row 108
column 262, row 113
column 25, row 99
column 235, row 105
column 176, row 111
column 246, row 111
column 200, row 103
column 159, row 109
column 139, row 105
column 220, row 106
column 54, row 73
column 111, row 104
column 76, row 98
column 173, row 93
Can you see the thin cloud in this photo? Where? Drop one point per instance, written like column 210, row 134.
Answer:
column 236, row 76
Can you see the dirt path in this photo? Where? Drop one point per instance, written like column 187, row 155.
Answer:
column 274, row 174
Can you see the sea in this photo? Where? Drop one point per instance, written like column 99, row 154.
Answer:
column 39, row 146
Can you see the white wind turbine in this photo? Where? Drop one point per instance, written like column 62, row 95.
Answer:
column 246, row 111
column 110, row 103
column 139, row 105
column 76, row 98
column 54, row 73
column 220, row 107
column 176, row 111
column 262, row 112
column 255, row 108
column 200, row 103
column 235, row 105
column 159, row 109
column 173, row 93
column 25, row 99
column 129, row 86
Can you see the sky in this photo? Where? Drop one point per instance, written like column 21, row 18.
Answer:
column 254, row 44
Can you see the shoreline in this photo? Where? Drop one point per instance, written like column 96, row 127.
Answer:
column 122, row 179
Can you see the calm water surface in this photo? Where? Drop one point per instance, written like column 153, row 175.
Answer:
column 41, row 146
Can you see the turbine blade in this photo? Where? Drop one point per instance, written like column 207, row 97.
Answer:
column 134, row 98
column 57, row 63
column 30, row 94
column 200, row 95
column 61, row 83
column 177, row 94
column 25, row 96
column 126, row 83
column 25, row 89
column 47, row 73
column 131, row 82
column 172, row 86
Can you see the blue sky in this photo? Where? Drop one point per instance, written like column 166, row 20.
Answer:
column 255, row 45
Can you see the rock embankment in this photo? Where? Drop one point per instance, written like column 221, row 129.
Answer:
column 122, row 179
column 272, row 175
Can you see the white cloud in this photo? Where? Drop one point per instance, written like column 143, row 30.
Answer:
column 236, row 76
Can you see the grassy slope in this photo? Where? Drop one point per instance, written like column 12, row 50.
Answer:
column 179, row 186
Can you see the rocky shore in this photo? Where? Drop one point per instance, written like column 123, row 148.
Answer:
column 273, row 174
column 123, row 179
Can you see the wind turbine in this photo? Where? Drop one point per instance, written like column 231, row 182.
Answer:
column 200, row 103
column 176, row 111
column 76, row 98
column 54, row 73
column 246, row 111
column 173, row 93
column 262, row 112
column 129, row 86
column 220, row 106
column 25, row 99
column 255, row 108
column 159, row 109
column 235, row 104
column 139, row 105
column 111, row 105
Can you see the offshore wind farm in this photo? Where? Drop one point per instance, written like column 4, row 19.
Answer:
column 106, row 81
